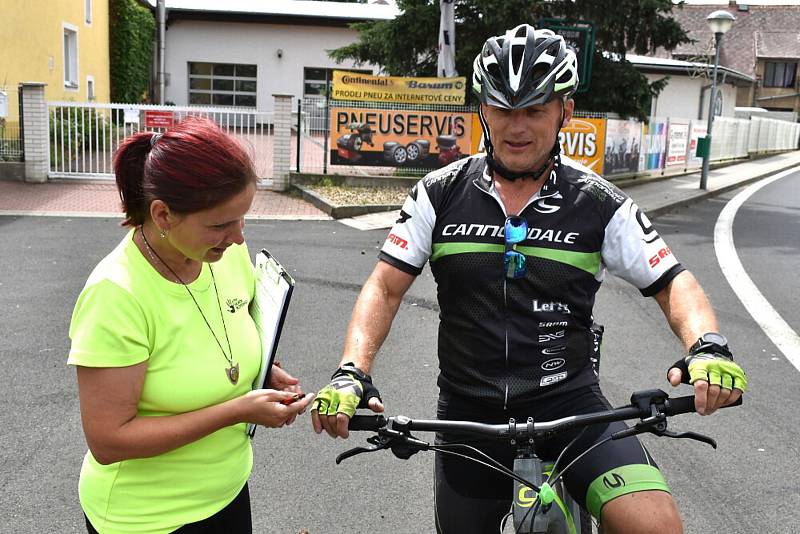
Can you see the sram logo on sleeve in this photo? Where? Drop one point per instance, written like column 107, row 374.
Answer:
column 397, row 240
column 656, row 258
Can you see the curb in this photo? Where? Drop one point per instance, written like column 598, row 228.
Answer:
column 341, row 211
column 668, row 206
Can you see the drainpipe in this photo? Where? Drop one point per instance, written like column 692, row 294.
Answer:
column 162, row 11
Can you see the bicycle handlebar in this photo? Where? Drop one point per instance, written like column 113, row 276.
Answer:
column 644, row 404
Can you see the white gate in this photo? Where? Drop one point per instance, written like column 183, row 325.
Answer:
column 83, row 137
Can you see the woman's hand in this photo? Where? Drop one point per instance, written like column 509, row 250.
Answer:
column 283, row 381
column 266, row 407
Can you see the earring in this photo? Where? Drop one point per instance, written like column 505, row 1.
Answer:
column 162, row 234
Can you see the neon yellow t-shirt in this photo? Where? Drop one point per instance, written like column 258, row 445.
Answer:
column 127, row 313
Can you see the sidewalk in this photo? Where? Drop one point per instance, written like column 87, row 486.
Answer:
column 100, row 199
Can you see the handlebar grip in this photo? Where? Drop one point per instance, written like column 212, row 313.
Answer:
column 367, row 422
column 679, row 405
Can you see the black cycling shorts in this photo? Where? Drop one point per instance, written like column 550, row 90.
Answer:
column 473, row 498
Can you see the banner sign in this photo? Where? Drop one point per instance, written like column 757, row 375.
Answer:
column 394, row 138
column 677, row 142
column 623, row 142
column 368, row 88
column 697, row 131
column 656, row 144
column 583, row 140
column 158, row 119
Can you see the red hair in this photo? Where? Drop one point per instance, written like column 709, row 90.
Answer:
column 193, row 166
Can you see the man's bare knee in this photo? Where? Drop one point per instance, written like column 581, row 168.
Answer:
column 645, row 512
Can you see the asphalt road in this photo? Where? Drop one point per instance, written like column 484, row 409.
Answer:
column 750, row 484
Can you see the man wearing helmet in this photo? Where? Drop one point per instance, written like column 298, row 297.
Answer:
column 519, row 241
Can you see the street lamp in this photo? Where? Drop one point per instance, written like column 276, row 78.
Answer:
column 719, row 22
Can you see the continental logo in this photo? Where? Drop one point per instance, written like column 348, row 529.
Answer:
column 380, row 82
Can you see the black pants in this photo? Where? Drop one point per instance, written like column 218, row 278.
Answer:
column 471, row 498
column 233, row 519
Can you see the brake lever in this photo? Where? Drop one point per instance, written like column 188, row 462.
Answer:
column 659, row 428
column 377, row 445
column 690, row 435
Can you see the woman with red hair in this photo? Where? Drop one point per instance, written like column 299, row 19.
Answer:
column 165, row 350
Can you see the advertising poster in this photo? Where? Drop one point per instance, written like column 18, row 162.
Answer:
column 698, row 130
column 643, row 152
column 656, row 144
column 385, row 137
column 623, row 143
column 677, row 142
column 369, row 88
column 584, row 141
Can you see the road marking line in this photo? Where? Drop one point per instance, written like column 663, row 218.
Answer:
column 773, row 325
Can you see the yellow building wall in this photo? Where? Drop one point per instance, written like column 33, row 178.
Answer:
column 32, row 48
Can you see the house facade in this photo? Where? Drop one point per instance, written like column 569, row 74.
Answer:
column 241, row 53
column 688, row 89
column 763, row 43
column 63, row 44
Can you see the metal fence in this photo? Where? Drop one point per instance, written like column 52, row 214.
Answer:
column 84, row 136
column 11, row 143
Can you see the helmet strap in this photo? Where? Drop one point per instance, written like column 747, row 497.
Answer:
column 497, row 167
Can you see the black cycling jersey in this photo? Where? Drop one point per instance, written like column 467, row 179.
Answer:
column 508, row 341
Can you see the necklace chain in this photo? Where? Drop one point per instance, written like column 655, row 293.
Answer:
column 233, row 371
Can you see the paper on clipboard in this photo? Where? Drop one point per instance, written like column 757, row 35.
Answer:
column 271, row 301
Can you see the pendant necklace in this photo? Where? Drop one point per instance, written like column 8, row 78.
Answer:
column 232, row 372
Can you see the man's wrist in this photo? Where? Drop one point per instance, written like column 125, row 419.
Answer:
column 711, row 342
column 350, row 368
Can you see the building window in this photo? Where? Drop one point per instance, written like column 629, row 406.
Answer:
column 87, row 9
column 317, row 80
column 90, row 96
column 222, row 84
column 779, row 74
column 70, row 58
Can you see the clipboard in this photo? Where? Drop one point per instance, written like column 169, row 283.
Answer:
column 273, row 292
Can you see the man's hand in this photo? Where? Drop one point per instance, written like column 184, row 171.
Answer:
column 337, row 402
column 717, row 380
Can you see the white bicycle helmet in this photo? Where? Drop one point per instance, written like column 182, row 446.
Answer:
column 524, row 67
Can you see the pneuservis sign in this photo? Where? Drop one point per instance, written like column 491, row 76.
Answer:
column 583, row 140
column 391, row 137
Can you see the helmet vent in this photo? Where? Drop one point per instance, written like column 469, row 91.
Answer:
column 539, row 70
column 517, row 52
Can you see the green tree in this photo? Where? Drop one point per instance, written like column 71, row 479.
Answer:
column 407, row 45
column 132, row 29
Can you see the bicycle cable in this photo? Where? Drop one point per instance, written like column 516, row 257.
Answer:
column 499, row 467
column 561, row 456
column 581, row 455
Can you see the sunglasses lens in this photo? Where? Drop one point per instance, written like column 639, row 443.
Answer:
column 514, row 264
column 516, row 230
